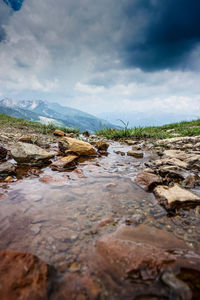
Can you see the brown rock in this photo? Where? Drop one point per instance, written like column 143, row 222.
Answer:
column 102, row 145
column 52, row 180
column 76, row 146
column 86, row 133
column 3, row 153
column 147, row 180
column 67, row 162
column 174, row 197
column 131, row 261
column 136, row 154
column 58, row 132
column 131, row 142
column 31, row 139
column 23, row 276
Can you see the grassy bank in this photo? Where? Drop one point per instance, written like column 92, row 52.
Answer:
column 191, row 128
column 8, row 121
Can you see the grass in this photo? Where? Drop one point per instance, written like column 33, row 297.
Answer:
column 6, row 121
column 184, row 128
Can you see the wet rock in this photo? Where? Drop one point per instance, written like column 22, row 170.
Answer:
column 147, row 180
column 106, row 221
column 76, row 146
column 30, row 154
column 58, row 132
column 23, row 276
column 174, row 197
column 7, row 168
column 67, row 162
column 119, row 152
column 102, row 145
column 172, row 172
column 136, row 147
column 131, row 261
column 136, row 154
column 3, row 153
column 177, row 286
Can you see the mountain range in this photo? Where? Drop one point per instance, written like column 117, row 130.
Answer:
column 46, row 112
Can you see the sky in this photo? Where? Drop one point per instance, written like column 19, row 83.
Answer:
column 134, row 60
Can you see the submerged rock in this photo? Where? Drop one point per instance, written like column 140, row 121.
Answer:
column 76, row 146
column 23, row 276
column 30, row 154
column 174, row 197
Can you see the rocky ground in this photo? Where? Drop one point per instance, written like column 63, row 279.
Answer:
column 128, row 230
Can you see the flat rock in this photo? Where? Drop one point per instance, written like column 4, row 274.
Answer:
column 167, row 161
column 23, row 276
column 173, row 197
column 30, row 154
column 131, row 260
column 76, row 146
column 67, row 162
column 131, row 142
column 136, row 154
column 147, row 180
column 3, row 153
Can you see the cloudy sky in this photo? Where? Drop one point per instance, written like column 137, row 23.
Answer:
column 116, row 59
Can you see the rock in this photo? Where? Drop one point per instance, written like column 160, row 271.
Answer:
column 3, row 153
column 119, row 152
column 174, row 197
column 131, row 261
column 147, row 180
column 172, row 172
column 76, row 146
column 130, row 142
column 191, row 181
column 67, row 162
column 58, row 132
column 23, row 276
column 136, row 147
column 31, row 139
column 30, row 154
column 102, row 145
column 176, row 154
column 136, row 154
column 86, row 133
column 7, row 168
column 52, row 180
column 167, row 162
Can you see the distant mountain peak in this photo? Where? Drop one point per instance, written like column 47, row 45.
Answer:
column 14, row 4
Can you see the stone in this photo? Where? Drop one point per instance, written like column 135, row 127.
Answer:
column 131, row 261
column 76, row 146
column 167, row 162
column 29, row 154
column 131, row 142
column 119, row 152
column 136, row 154
column 3, row 153
column 67, row 162
column 52, row 180
column 176, row 154
column 58, row 132
column 7, row 168
column 31, row 139
column 147, row 180
column 86, row 133
column 102, row 145
column 174, row 197
column 23, row 276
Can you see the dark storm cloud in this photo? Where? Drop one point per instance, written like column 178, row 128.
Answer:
column 168, row 32
column 15, row 4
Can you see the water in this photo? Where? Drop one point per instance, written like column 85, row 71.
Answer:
column 59, row 220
